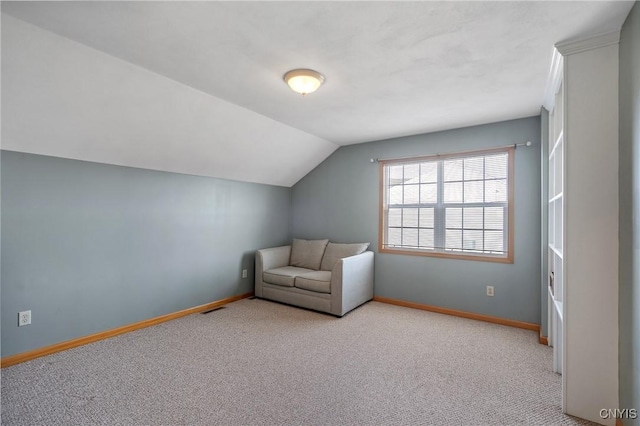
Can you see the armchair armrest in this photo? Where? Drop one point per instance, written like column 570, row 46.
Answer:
column 275, row 257
column 269, row 258
column 351, row 283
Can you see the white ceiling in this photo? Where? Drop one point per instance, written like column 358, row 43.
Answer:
column 392, row 68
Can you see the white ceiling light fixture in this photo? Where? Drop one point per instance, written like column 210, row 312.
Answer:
column 303, row 81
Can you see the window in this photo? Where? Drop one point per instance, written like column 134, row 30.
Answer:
column 457, row 206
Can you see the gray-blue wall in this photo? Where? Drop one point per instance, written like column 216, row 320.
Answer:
column 629, row 291
column 339, row 200
column 88, row 247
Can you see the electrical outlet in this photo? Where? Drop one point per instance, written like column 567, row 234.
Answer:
column 244, row 273
column 489, row 290
column 24, row 318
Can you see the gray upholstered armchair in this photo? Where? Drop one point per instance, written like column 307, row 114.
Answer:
column 318, row 275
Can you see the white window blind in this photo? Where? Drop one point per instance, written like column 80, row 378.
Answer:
column 451, row 205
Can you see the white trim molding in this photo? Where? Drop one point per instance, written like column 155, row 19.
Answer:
column 570, row 47
column 553, row 80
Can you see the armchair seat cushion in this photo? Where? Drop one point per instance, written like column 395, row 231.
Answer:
column 318, row 281
column 284, row 276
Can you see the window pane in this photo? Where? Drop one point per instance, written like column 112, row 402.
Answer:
column 412, row 173
column 495, row 166
column 452, row 170
column 453, row 192
column 429, row 193
column 395, row 217
column 495, row 191
column 395, row 174
column 395, row 194
column 472, row 217
column 453, row 217
column 411, row 194
column 426, row 218
column 410, row 237
column 453, row 239
column 429, row 172
column 426, row 238
column 472, row 240
column 410, row 218
column 474, row 168
column 394, row 237
column 494, row 218
column 494, row 241
column 473, row 192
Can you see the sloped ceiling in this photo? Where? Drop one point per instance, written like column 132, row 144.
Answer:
column 196, row 87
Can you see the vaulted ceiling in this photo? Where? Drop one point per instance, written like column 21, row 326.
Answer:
column 196, row 87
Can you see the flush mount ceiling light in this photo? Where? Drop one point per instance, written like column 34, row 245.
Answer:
column 304, row 81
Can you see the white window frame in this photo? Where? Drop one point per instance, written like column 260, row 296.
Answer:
column 439, row 208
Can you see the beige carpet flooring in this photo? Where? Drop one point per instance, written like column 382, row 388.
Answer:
column 261, row 363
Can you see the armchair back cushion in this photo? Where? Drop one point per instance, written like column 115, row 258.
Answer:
column 334, row 252
column 307, row 253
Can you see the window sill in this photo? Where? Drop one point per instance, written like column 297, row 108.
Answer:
column 480, row 258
